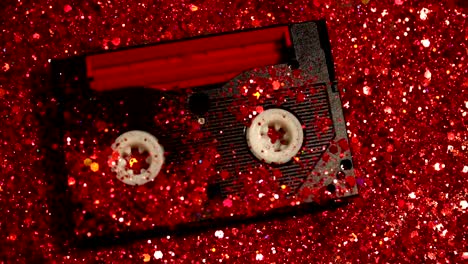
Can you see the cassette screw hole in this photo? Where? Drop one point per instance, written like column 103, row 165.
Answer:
column 346, row 164
column 293, row 64
column 199, row 103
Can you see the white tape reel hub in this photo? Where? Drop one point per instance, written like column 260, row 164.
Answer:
column 275, row 136
column 143, row 142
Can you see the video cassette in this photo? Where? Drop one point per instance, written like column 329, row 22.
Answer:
column 227, row 126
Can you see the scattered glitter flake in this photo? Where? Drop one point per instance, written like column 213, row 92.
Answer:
column 94, row 166
column 257, row 94
column 465, row 169
column 259, row 256
column 450, row 136
column 423, row 13
column 388, row 110
column 276, row 85
column 351, row 181
column 426, row 43
column 71, row 181
column 116, row 41
column 449, row 148
column 146, row 257
column 399, row 2
column 412, row 195
column 87, row 162
column 439, row 227
column 67, row 8
column 401, row 203
column 219, row 234
column 36, row 36
column 427, row 74
column 439, row 166
column 193, row 8
column 227, row 202
column 366, row 90
column 158, row 254
column 464, row 204
column 6, row 67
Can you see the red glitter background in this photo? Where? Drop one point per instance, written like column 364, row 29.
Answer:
column 403, row 73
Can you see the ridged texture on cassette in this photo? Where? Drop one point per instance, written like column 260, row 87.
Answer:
column 233, row 145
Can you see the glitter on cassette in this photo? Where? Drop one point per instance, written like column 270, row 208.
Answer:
column 227, row 126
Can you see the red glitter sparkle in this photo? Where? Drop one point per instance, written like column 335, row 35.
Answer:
column 403, row 73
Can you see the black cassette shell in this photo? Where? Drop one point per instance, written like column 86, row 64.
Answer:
column 216, row 111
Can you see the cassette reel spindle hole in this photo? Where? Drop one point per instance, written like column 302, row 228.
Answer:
column 331, row 188
column 277, row 135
